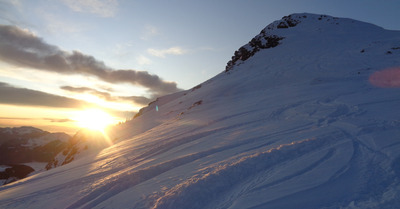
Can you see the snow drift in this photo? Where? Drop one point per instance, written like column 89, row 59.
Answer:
column 292, row 122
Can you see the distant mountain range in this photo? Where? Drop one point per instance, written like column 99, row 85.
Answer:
column 21, row 146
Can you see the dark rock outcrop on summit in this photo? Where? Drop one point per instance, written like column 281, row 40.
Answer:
column 247, row 51
column 264, row 40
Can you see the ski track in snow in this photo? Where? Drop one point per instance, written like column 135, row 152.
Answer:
column 223, row 177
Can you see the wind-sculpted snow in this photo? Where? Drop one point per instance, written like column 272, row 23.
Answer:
column 298, row 125
column 221, row 178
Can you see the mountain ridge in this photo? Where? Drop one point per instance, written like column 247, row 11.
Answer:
column 22, row 146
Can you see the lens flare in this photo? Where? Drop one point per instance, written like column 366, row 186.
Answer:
column 388, row 78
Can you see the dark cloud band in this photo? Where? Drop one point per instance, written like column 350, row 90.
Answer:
column 22, row 96
column 22, row 48
column 27, row 97
column 107, row 96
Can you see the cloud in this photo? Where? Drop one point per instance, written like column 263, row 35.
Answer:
column 123, row 50
column 149, row 32
column 53, row 120
column 22, row 48
column 136, row 99
column 59, row 25
column 163, row 52
column 103, row 8
column 22, row 96
column 16, row 3
column 101, row 94
column 142, row 60
column 59, row 120
column 107, row 96
column 9, row 11
column 16, row 118
column 26, row 97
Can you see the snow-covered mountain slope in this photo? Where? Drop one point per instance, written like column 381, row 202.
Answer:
column 292, row 124
column 84, row 142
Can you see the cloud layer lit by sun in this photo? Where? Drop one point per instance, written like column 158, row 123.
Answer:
column 23, row 50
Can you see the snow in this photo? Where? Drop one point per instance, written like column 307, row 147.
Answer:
column 43, row 140
column 25, row 130
column 4, row 167
column 294, row 126
column 37, row 166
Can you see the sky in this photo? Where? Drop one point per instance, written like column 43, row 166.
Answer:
column 61, row 57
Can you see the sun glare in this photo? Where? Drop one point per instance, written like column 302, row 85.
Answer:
column 94, row 119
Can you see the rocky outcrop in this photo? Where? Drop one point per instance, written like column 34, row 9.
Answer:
column 266, row 39
column 14, row 173
column 82, row 143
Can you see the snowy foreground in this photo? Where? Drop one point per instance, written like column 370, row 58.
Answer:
column 297, row 125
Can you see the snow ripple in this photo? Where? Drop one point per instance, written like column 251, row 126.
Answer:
column 219, row 179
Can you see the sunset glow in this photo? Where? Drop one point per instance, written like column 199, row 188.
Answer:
column 60, row 57
column 94, row 119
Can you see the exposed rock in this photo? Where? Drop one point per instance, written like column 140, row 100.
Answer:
column 196, row 104
column 15, row 172
column 247, row 51
column 288, row 21
column 264, row 40
column 80, row 142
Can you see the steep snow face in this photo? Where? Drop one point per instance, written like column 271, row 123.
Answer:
column 83, row 143
column 296, row 125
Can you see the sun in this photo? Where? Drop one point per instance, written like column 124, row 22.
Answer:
column 93, row 119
